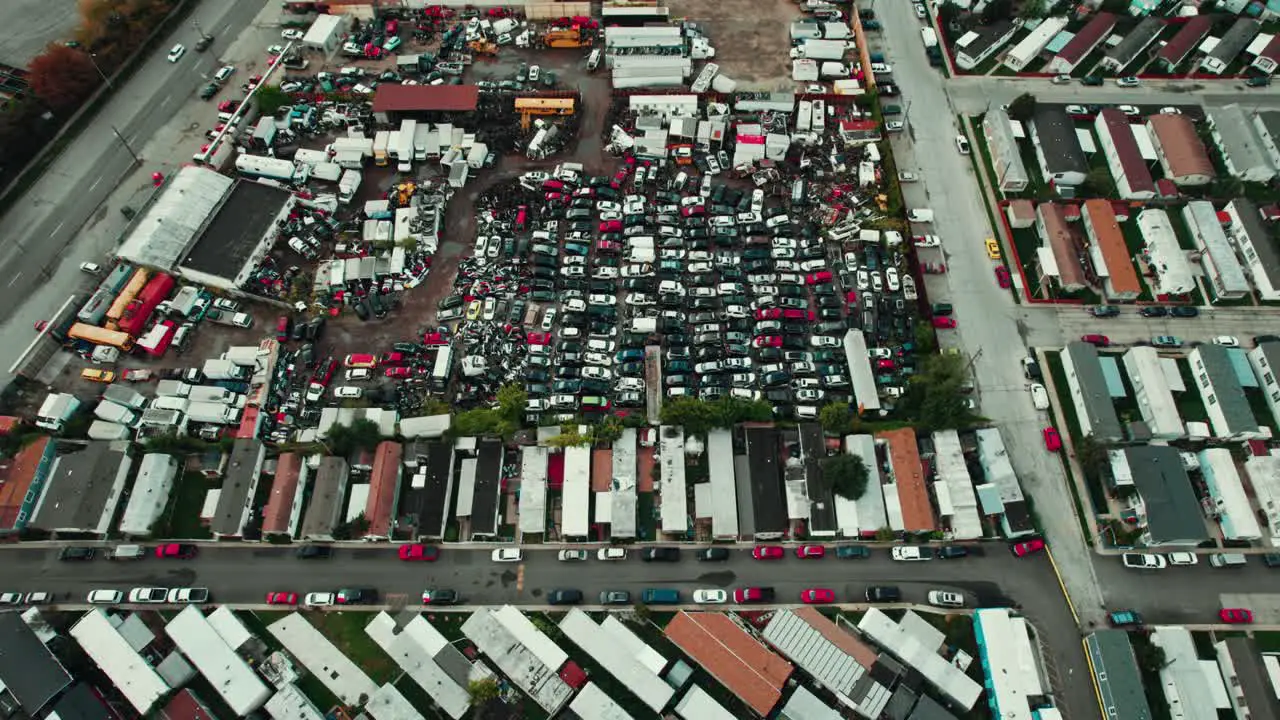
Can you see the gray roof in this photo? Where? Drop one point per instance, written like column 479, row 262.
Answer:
column 1226, row 386
column 1103, row 421
column 1237, row 138
column 1270, row 121
column 1235, row 40
column 1251, row 223
column 764, row 478
column 238, row 486
column 81, row 703
column 988, row 35
column 1057, row 134
column 930, row 709
column 1173, row 513
column 1136, row 41
column 1252, row 678
column 1115, row 672
column 161, row 235
column 822, row 500
column 27, row 668
column 81, row 486
column 324, row 509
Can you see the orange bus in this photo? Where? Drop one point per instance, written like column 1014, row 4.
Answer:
column 126, row 296
column 101, row 336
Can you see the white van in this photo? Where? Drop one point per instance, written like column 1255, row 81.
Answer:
column 1228, row 560
column 128, row 552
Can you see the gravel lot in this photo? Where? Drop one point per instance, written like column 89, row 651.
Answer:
column 751, row 38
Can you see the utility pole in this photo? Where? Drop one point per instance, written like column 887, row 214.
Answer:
column 93, row 59
column 196, row 24
column 137, row 160
column 968, row 369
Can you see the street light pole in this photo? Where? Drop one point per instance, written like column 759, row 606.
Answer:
column 196, row 24
column 93, row 58
column 125, row 143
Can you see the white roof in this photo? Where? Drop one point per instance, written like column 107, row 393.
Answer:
column 1189, row 683
column 1009, row 662
column 698, row 705
column 642, row 651
column 867, row 513
column 809, row 649
column 388, row 704
column 953, row 475
column 622, row 514
column 235, row 682
column 864, row 381
column 426, row 426
column 895, row 639
column 804, row 705
column 675, row 500
column 358, row 502
column 593, row 704
column 466, row 487
column 150, row 494
column 604, row 506
column 1236, row 516
column 575, row 514
column 523, row 629
column 161, row 236
column 724, row 486
column 136, row 680
column 326, row 662
column 290, row 703
column 1036, row 41
column 533, row 489
column 617, row 659
column 414, row 649
column 997, row 468
column 516, row 661
column 1166, row 256
column 320, row 31
column 229, row 628
column 1152, row 393
column 1206, row 230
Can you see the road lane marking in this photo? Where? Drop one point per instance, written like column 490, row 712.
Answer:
column 59, row 227
column 519, row 570
column 95, row 183
column 14, row 279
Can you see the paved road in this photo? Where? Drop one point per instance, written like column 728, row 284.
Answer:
column 31, row 24
column 970, row 94
column 48, row 226
column 1129, row 327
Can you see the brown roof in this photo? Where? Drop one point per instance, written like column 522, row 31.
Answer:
column 275, row 519
column 1062, row 242
column 384, row 484
column 1181, row 146
column 644, row 473
column 732, row 656
column 601, row 470
column 1084, row 41
column 390, row 97
column 848, row 642
column 1272, row 50
column 908, row 476
column 1189, row 36
column 1115, row 253
column 1120, row 133
column 16, row 476
column 186, row 706
column 1022, row 210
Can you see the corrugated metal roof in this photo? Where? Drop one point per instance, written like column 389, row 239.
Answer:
column 384, row 487
column 185, row 204
column 732, row 656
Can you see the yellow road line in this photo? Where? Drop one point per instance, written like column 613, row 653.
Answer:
column 520, row 578
column 1065, row 595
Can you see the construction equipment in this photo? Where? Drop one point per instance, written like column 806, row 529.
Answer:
column 529, row 107
column 483, row 47
column 404, row 191
column 570, row 37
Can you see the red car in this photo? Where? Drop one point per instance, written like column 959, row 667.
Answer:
column 282, row 598
column 693, row 210
column 391, row 358
column 1235, row 616
column 884, row 364
column 538, row 338
column 944, row 323
column 811, row 551
column 753, row 595
column 1098, row 340
column 819, row 278
column 795, row 314
column 1052, row 442
column 435, row 339
column 1002, row 277
column 419, row 552
column 1027, row 547
column 611, row 226
column 398, row 372
column 182, row 551
column 817, row 596
column 553, row 196
column 768, row 552
column 282, row 328
column 767, row 341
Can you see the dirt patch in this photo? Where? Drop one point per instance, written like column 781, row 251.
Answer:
column 751, row 39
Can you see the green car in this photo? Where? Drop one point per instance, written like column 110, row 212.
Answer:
column 1124, row 618
column 1259, row 81
column 853, row 552
column 208, row 91
column 1091, row 80
column 1167, row 341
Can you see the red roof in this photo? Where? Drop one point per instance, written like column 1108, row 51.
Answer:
column 1272, row 50
column 390, row 97
column 16, row 476
column 732, row 656
column 1087, row 39
column 751, row 139
column 8, row 423
column 186, row 706
column 601, row 470
column 384, row 484
column 1192, row 32
column 573, row 675
column 908, row 474
column 275, row 519
column 1120, row 135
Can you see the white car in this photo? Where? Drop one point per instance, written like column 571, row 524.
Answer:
column 1143, row 561
column 611, row 553
column 549, row 319
column 39, row 598
column 1170, row 111
column 604, row 272
column 358, row 374
column 11, row 598
column 920, row 11
column 881, row 68
column 604, row 346
column 148, row 595
column 629, row 384
column 597, row 358
column 927, row 241
column 291, row 34
column 224, row 72
column 595, row 372
column 507, row 555
column 962, row 144
column 1061, row 80
column 1182, row 558
column 490, row 308
column 347, row 392
column 710, row 597
column 1226, row 341
column 534, row 72
column 1129, row 110
column 573, row 555
column 907, row 177
column 891, row 279
column 187, row 595
column 176, row 54
column 894, row 126
column 910, row 553
column 942, row 598
column 823, row 341
column 105, row 597
column 318, row 599
column 1039, row 396
column 1077, row 110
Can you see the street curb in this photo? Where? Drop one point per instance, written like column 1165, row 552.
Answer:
column 1062, row 586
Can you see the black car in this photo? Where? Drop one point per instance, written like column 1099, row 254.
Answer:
column 660, row 554
column 77, row 553
column 1184, row 311
column 1091, row 80
column 314, row 552
column 951, row 552
column 1153, row 311
column 357, row 596
column 564, row 597
column 208, row 91
column 1104, row 311
column 712, row 554
column 440, row 597
column 884, row 593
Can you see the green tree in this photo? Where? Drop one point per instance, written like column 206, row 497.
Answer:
column 358, row 526
column 948, row 14
column 568, row 438
column 997, row 10
column 482, row 692
column 271, row 98
column 512, row 401
column 694, row 415
column 936, row 397
column 359, row 435
column 848, row 475
column 1032, row 9
column 1092, row 456
column 481, row 422
column 836, row 418
column 1023, row 107
column 926, row 338
column 609, row 430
